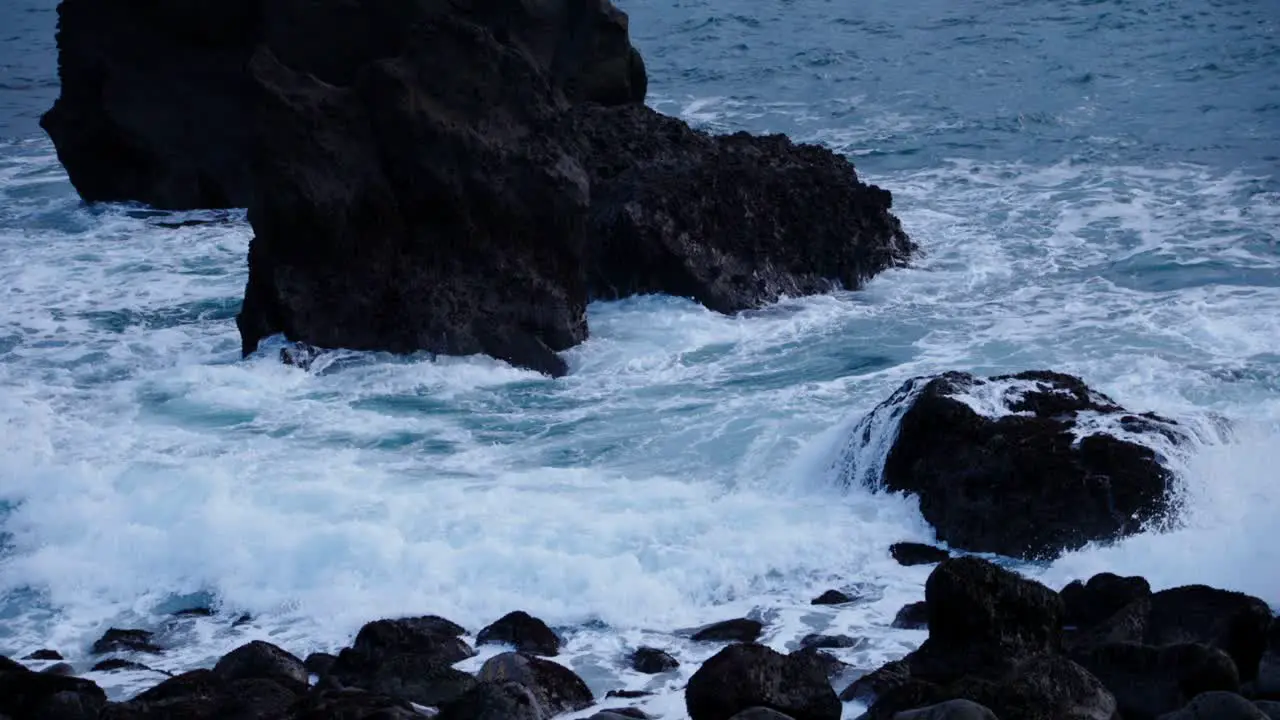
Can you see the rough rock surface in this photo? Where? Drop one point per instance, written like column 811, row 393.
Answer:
column 913, row 616
column 651, row 661
column 556, row 688
column 1105, row 594
column 116, row 640
column 1230, row 621
column 994, row 638
column 746, row 675
column 410, row 659
column 737, row 630
column 1150, row 681
column 1217, row 706
column 155, row 96
column 27, row 695
column 203, row 695
column 263, row 660
column 403, row 209
column 522, row 631
column 949, row 710
column 1268, row 682
column 909, row 554
column 998, row 467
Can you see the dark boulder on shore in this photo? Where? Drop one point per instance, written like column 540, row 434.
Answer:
column 736, row 630
column 204, row 695
column 522, row 631
column 1232, row 622
column 447, row 178
column 556, row 688
column 27, row 695
column 1089, row 603
column 995, row 639
column 746, row 675
column 409, row 658
column 1026, row 465
column 1150, row 681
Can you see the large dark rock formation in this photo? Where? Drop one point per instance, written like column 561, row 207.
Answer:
column 454, row 178
column 1024, row 465
column 157, row 106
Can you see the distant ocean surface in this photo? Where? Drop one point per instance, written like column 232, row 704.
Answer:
column 1096, row 189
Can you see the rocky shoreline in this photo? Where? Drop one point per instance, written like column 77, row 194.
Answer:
column 999, row 646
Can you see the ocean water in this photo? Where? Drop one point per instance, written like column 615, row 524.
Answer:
column 1096, row 189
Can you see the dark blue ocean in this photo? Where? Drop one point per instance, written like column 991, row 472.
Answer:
column 1096, row 190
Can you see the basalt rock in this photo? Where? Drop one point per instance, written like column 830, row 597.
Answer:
column 651, row 661
column 262, row 660
column 447, row 178
column 1233, row 622
column 115, row 640
column 909, row 554
column 1150, row 681
column 204, row 695
column 409, row 658
column 27, row 695
column 157, row 104
column 1088, row 604
column 738, row 630
column 523, row 632
column 746, row 675
column 1025, row 465
column 556, row 688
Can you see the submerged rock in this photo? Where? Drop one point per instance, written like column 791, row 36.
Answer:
column 652, row 661
column 1025, row 465
column 44, row 655
column 739, row 630
column 116, row 640
column 522, row 631
column 118, row 664
column 746, row 675
column 910, row 554
column 832, row 597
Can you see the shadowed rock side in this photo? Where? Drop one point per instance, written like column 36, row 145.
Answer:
column 732, row 221
column 1025, row 465
column 454, row 178
column 156, row 103
column 428, row 211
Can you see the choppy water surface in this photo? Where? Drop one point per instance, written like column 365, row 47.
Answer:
column 1095, row 186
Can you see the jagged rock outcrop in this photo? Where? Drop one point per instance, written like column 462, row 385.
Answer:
column 1025, row 465
column 157, row 106
column 451, row 178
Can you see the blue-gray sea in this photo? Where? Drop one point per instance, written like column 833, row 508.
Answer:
column 1095, row 186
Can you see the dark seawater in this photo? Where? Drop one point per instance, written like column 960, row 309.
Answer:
column 1096, row 188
